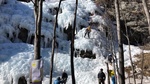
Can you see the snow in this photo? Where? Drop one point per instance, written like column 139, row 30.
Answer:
column 134, row 51
column 16, row 57
column 17, row 63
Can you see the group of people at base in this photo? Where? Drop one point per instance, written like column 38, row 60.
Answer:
column 63, row 79
column 101, row 76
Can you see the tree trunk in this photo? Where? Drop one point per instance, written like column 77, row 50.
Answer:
column 72, row 45
column 147, row 13
column 108, row 73
column 129, row 77
column 127, row 36
column 132, row 66
column 37, row 40
column 115, row 63
column 115, row 70
column 142, row 67
column 53, row 44
column 121, row 55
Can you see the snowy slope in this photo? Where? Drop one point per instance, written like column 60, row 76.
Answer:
column 15, row 59
column 16, row 16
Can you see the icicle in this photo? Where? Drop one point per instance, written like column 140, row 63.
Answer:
column 29, row 37
column 16, row 36
column 46, row 42
column 30, row 34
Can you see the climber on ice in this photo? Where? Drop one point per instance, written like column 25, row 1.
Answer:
column 88, row 30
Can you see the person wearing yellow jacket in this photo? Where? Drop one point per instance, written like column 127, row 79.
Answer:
column 112, row 75
column 88, row 30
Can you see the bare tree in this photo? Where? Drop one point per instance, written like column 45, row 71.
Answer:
column 131, row 61
column 109, row 33
column 114, row 58
column 108, row 80
column 142, row 67
column 147, row 13
column 37, row 40
column 72, row 45
column 121, row 54
column 142, row 64
column 53, row 44
column 132, row 66
column 38, row 19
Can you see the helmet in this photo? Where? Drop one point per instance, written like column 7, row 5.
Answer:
column 110, row 55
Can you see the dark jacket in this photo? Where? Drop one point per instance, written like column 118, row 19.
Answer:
column 64, row 75
column 22, row 80
column 101, row 76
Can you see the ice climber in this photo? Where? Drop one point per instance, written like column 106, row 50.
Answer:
column 88, row 30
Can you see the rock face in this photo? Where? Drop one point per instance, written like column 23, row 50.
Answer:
column 68, row 32
column 133, row 19
column 133, row 16
column 23, row 34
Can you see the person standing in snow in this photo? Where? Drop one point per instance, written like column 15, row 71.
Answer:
column 101, row 77
column 88, row 30
column 112, row 75
column 22, row 80
column 58, row 81
column 64, row 77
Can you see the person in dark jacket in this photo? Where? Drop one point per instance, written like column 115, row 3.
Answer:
column 58, row 81
column 101, row 77
column 64, row 77
column 22, row 80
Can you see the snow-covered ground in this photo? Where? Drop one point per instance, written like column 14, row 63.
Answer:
column 15, row 58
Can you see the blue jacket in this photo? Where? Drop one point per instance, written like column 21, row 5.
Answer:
column 113, row 79
column 57, row 82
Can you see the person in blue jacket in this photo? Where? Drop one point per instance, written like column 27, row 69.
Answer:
column 112, row 75
column 57, row 81
column 113, row 79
